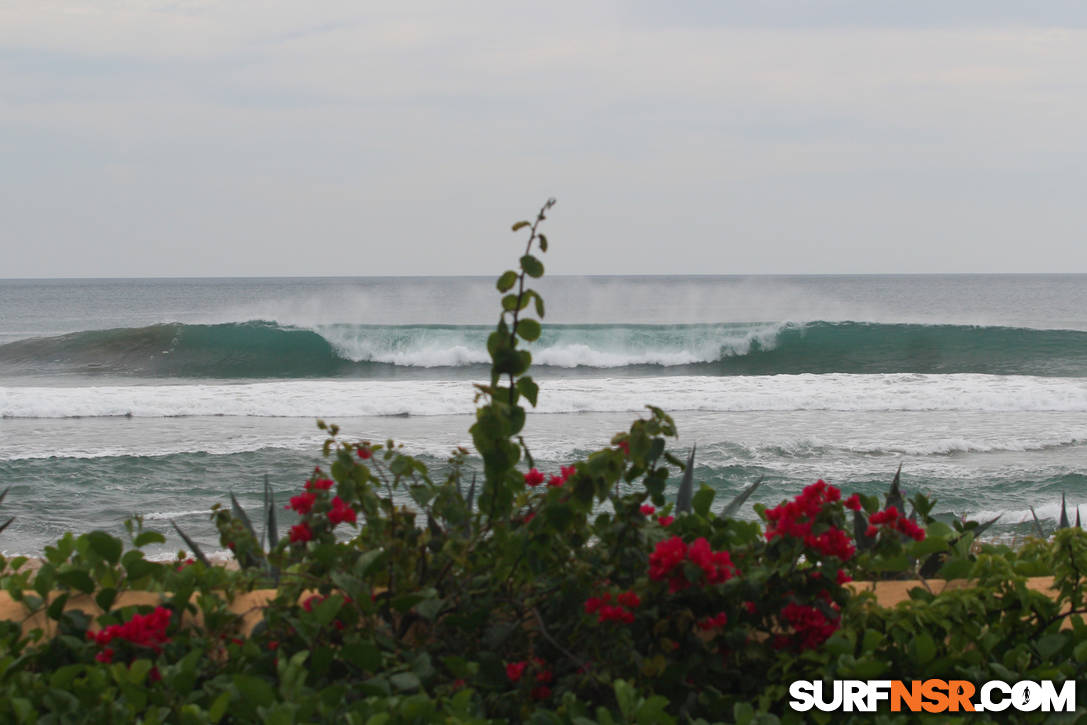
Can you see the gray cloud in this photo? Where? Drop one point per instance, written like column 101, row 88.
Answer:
column 247, row 138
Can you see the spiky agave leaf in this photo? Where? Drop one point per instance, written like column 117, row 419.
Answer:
column 982, row 527
column 4, row 494
column 894, row 496
column 190, row 543
column 860, row 528
column 270, row 514
column 239, row 513
column 735, row 504
column 686, row 486
column 1077, row 518
column 6, row 524
column 1064, row 524
column 1037, row 523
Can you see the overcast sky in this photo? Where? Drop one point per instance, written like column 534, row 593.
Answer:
column 253, row 137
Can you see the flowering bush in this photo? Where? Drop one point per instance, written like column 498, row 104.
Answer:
column 482, row 593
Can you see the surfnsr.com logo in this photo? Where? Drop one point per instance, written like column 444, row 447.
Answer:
column 932, row 696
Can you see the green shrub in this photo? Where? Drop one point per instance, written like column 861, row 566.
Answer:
column 576, row 595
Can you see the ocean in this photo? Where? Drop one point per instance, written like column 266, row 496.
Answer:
column 158, row 397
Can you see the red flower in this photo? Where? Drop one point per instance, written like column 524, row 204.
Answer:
column 811, row 625
column 665, row 560
column 714, row 622
column 541, row 693
column 647, row 510
column 843, row 578
column 320, row 484
column 853, row 503
column 187, row 563
column 592, row 604
column 312, row 601
column 666, row 520
column 273, row 645
column 302, row 503
column 534, row 478
column 629, row 600
column 154, row 675
column 341, row 512
column 514, row 670
column 624, row 446
column 871, row 531
column 750, row 607
column 556, row 481
column 301, row 533
column 794, row 519
column 365, row 452
column 544, row 676
column 145, row 630
column 910, row 529
column 614, row 613
column 567, row 471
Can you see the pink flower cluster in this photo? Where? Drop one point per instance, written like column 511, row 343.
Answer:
column 145, row 630
column 605, row 611
column 795, row 519
column 534, row 477
column 666, row 560
column 891, row 519
column 341, row 513
column 716, row 622
column 303, row 504
column 516, row 670
column 811, row 625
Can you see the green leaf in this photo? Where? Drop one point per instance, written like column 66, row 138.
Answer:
column 218, row 708
column 57, row 607
column 371, row 561
column 543, row 242
column 365, row 655
column 256, row 690
column 429, row 608
column 105, row 598
column 528, row 329
column 532, row 266
column 527, row 387
column 405, row 681
column 539, row 304
column 743, row 713
column 326, row 611
column 1080, row 652
column 923, row 648
column 149, row 537
column 1050, row 644
column 956, row 568
column 509, row 302
column 520, row 225
column 506, row 281
column 626, row 696
column 77, row 579
column 106, row 546
column 703, row 500
column 138, row 670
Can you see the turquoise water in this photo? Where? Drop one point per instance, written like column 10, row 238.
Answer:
column 156, row 397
